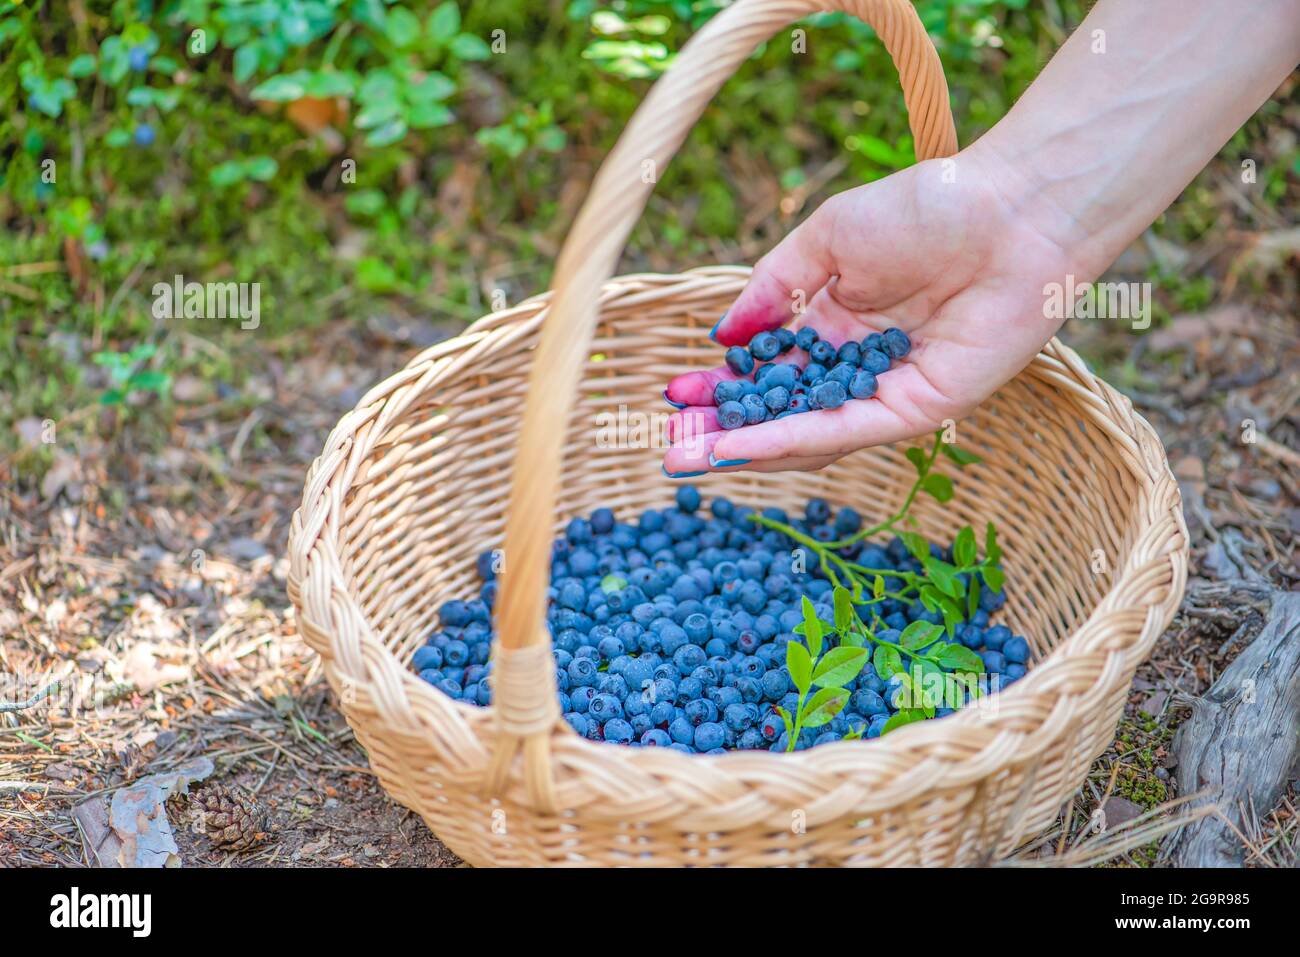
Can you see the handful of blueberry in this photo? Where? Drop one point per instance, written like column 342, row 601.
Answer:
column 673, row 630
column 768, row 389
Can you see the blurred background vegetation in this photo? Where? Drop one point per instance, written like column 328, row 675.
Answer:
column 367, row 157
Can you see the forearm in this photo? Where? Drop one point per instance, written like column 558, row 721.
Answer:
column 1102, row 142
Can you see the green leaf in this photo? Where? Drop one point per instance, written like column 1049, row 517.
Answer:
column 444, row 23
column 993, row 577
column 260, row 168
column 283, row 88
column 839, row 666
column 82, row 66
column 944, row 576
column 823, row 706
column 388, row 133
column 843, row 610
column 117, row 138
column 916, row 544
column 940, row 486
column 973, row 597
column 812, row 627
column 432, row 87
column 402, row 27
column 151, row 381
column 952, row 616
column 799, row 663
column 906, row 716
column 327, row 83
column 886, row 661
column 991, row 548
column 467, row 46
column 963, row 547
column 246, row 60
column 789, row 723
column 424, row 116
column 112, row 397
column 878, row 587
column 960, row 456
column 957, row 657
column 919, row 634
column 917, row 458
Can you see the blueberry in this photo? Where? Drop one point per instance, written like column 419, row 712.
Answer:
column 798, row 403
column 138, row 58
column 688, row 498
column 731, row 415
column 993, row 661
column 1013, row 672
column 582, row 673
column 785, row 337
column 896, row 343
column 602, row 521
column 813, row 373
column 739, row 360
column 728, row 390
column 783, row 376
column 681, row 731
column 874, row 361
column 777, row 399
column 843, row 373
column 850, row 352
column 764, row 346
column 872, row 341
column 426, row 657
column 822, row 353
column 862, row 385
column 449, row 687
column 708, row 736
column 876, row 725
column 578, row 722
column 996, row 636
column 830, row 395
column 806, row 338
column 654, row 738
column 867, row 703
column 755, row 409
column 456, row 653
column 737, row 718
column 1016, row 650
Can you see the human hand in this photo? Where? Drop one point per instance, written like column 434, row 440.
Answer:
column 950, row 260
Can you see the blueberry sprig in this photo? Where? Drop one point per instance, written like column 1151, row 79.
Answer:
column 765, row 389
column 923, row 671
column 942, row 585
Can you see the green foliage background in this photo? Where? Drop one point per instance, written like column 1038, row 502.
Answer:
column 173, row 152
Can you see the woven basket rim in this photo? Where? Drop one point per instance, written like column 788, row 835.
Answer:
column 497, row 330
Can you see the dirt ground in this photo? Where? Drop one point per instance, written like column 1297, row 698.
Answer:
column 149, row 576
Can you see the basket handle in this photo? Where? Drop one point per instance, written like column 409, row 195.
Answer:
column 524, row 672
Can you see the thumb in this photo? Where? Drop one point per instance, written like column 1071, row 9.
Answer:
column 784, row 281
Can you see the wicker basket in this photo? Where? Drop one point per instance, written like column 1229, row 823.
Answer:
column 414, row 483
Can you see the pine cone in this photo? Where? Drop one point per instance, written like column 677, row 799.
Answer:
column 229, row 816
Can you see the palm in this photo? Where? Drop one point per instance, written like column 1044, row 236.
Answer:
column 947, row 262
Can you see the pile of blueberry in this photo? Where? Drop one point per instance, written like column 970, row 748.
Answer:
column 766, row 389
column 671, row 631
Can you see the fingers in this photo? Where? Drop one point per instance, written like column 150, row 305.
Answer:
column 783, row 281
column 696, row 388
